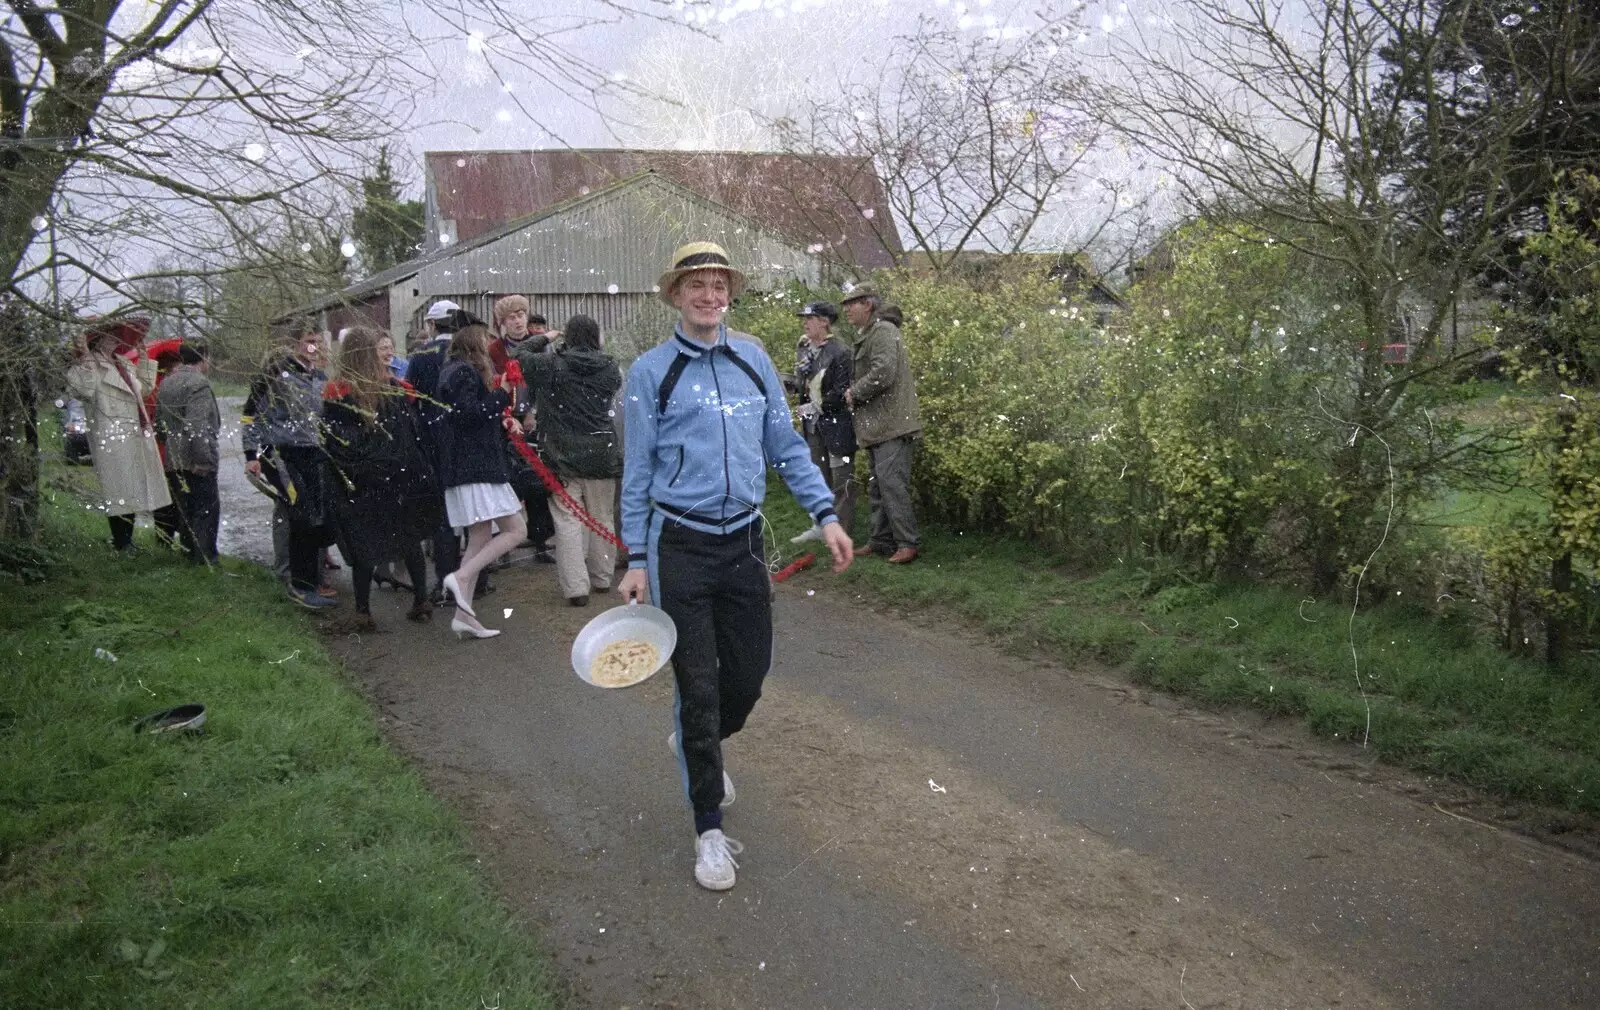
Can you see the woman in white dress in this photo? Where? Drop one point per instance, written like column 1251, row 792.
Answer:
column 472, row 467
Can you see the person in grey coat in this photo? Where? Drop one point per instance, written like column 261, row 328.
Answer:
column 888, row 423
column 187, row 422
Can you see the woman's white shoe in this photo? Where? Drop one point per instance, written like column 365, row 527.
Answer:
column 463, row 629
column 453, row 587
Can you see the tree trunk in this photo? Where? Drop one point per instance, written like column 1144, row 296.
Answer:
column 1558, row 622
column 19, row 456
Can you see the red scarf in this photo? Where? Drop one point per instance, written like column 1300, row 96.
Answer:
column 133, row 387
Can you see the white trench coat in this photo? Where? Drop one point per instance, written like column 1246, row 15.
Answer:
column 125, row 455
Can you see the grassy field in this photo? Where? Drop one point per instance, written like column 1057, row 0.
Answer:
column 1419, row 691
column 284, row 858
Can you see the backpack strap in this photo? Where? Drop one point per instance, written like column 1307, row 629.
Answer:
column 669, row 381
column 744, row 366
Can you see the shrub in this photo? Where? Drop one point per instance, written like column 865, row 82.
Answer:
column 1005, row 382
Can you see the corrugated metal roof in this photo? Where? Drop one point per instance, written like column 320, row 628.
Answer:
column 600, row 253
column 363, row 291
column 614, row 240
column 835, row 205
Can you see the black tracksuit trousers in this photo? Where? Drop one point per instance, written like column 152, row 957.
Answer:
column 718, row 592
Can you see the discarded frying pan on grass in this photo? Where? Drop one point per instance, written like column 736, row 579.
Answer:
column 182, row 719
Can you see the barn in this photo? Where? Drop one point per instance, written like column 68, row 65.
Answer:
column 367, row 303
column 834, row 205
column 598, row 253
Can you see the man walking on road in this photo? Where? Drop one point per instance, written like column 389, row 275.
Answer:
column 887, row 423
column 704, row 413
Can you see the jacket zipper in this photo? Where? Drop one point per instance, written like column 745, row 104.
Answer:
column 722, row 415
column 679, row 471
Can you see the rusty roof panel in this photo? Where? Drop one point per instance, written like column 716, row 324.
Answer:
column 620, row 237
column 834, row 206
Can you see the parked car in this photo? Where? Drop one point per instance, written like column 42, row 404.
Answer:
column 74, row 432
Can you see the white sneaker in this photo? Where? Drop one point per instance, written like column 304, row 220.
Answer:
column 713, row 860
column 727, row 781
column 814, row 533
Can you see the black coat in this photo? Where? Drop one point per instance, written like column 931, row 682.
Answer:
column 835, row 427
column 422, row 374
column 574, row 391
column 471, row 440
column 385, row 493
column 423, row 367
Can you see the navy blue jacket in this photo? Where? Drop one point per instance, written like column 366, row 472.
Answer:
column 471, row 440
column 423, row 367
column 422, row 375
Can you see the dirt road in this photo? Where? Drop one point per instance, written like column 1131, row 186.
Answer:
column 930, row 824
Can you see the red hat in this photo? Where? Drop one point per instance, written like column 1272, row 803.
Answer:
column 128, row 332
column 165, row 352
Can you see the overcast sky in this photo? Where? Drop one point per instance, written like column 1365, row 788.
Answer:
column 706, row 77
column 696, row 76
column 764, row 55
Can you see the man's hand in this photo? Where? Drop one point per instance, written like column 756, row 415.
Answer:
column 252, row 467
column 635, row 586
column 509, row 423
column 849, row 399
column 838, row 542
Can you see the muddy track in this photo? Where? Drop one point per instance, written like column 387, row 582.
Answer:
column 931, row 824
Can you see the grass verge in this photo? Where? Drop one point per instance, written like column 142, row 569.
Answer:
column 285, row 858
column 1420, row 692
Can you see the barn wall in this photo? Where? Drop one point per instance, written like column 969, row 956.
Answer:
column 371, row 311
column 629, row 323
column 620, row 241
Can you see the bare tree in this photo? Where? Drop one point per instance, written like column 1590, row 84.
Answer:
column 130, row 133
column 977, row 139
column 140, row 143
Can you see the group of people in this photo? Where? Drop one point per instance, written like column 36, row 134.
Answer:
column 381, row 459
column 380, row 464
column 861, row 398
column 153, row 423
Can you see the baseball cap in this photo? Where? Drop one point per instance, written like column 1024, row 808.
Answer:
column 823, row 310
column 441, row 309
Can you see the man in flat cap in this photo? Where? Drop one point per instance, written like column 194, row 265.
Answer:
column 704, row 415
column 887, row 424
column 822, row 375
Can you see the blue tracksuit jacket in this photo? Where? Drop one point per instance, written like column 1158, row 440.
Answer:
column 702, row 460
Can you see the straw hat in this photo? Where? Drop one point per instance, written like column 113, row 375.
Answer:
column 699, row 256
